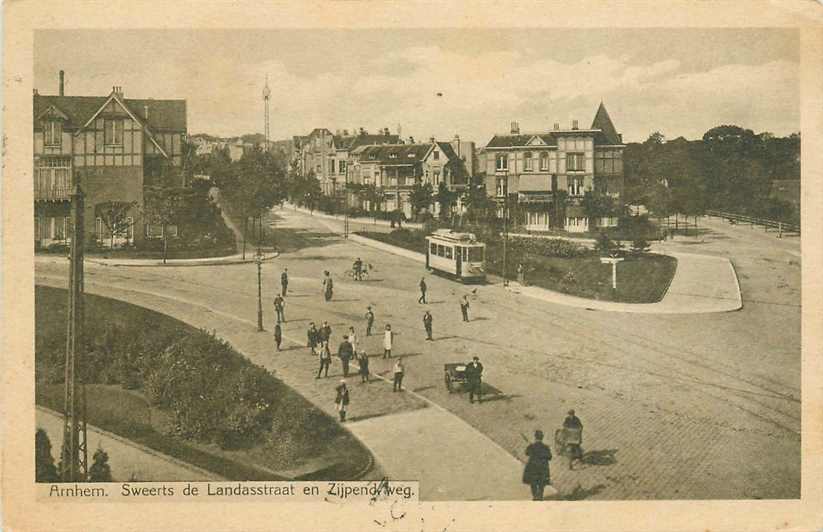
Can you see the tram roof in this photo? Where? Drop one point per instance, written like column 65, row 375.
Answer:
column 454, row 236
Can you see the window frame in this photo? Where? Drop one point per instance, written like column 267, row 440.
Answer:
column 54, row 129
column 576, row 157
column 110, row 138
column 528, row 162
column 501, row 158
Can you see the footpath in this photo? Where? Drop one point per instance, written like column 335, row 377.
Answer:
column 428, row 444
column 128, row 460
column 701, row 284
column 209, row 261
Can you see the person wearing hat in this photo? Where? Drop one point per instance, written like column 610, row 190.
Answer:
column 536, row 472
column 328, row 286
column 388, row 339
column 284, row 281
column 474, row 378
column 575, row 450
column 369, row 320
column 325, row 360
column 427, row 324
column 278, row 335
column 363, row 360
column 399, row 371
column 342, row 399
column 345, row 351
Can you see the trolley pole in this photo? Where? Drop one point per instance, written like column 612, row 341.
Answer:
column 74, row 452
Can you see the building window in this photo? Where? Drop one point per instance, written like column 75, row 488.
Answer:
column 575, row 162
column 52, row 178
column 501, row 188
column 502, row 162
column 341, row 167
column 528, row 161
column 436, row 155
column 392, row 156
column 331, row 166
column 537, row 218
column 436, row 174
column 544, row 161
column 53, row 130
column 576, row 186
column 113, row 132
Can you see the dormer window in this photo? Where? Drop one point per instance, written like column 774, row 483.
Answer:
column 436, row 155
column 371, row 156
column 113, row 132
column 392, row 156
column 53, row 132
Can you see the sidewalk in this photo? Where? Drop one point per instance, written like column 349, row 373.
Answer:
column 337, row 217
column 208, row 261
column 126, row 458
column 427, row 444
column 701, row 284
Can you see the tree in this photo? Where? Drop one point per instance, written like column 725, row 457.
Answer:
column 445, row 198
column 115, row 216
column 100, row 471
column 606, row 246
column 421, row 196
column 164, row 206
column 44, row 468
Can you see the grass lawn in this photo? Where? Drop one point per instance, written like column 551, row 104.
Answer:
column 153, row 254
column 640, row 279
column 304, row 442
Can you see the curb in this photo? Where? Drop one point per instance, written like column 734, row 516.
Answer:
column 139, row 263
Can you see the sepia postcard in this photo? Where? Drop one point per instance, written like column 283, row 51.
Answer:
column 412, row 266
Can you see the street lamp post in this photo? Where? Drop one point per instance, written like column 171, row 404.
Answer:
column 505, row 225
column 259, row 260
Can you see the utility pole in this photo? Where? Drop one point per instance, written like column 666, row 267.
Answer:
column 74, row 452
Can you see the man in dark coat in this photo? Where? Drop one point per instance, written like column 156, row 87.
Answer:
column 278, row 335
column 312, row 337
column 474, row 378
column 369, row 320
column 427, row 324
column 284, row 281
column 464, row 308
column 345, row 351
column 325, row 332
column 342, row 400
column 328, row 286
column 536, row 473
column 279, row 308
column 422, row 298
column 575, row 450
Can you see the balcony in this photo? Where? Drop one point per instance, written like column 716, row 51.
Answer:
column 53, row 192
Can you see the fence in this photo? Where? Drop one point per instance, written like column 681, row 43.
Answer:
column 782, row 228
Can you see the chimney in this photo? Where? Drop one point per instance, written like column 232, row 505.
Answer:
column 557, row 126
column 411, row 140
column 386, row 131
column 515, row 128
column 431, row 139
column 574, row 124
column 146, row 112
column 118, row 90
column 457, row 144
column 345, row 132
column 35, row 92
column 62, row 83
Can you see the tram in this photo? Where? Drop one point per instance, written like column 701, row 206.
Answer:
column 457, row 254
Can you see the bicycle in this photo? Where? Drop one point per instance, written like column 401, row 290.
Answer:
column 364, row 273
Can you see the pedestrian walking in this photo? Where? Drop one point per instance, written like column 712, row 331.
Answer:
column 278, row 336
column 521, row 274
column 345, row 352
column 423, row 288
column 358, row 269
column 369, row 320
column 342, row 399
column 325, row 332
column 574, row 450
column 328, row 286
column 325, row 361
column 363, row 361
column 388, row 340
column 536, row 472
column 464, row 307
column 427, row 324
column 353, row 339
column 399, row 371
column 312, row 338
column 474, row 378
column 279, row 308
column 284, row 282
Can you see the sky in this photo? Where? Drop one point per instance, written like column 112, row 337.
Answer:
column 471, row 82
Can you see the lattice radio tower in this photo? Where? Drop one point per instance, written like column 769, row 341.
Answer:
column 75, row 458
column 266, row 97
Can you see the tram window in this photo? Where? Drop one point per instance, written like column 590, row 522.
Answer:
column 440, row 252
column 433, row 249
column 476, row 254
column 448, row 252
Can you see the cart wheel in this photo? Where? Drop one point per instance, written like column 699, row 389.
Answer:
column 449, row 383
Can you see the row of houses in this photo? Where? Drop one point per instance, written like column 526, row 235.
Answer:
column 532, row 171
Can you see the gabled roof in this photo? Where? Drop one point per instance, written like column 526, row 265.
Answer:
column 447, row 150
column 505, row 141
column 169, row 115
column 395, row 154
column 603, row 122
column 353, row 141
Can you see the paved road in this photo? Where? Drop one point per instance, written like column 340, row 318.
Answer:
column 702, row 406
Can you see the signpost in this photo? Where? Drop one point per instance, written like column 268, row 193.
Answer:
column 613, row 261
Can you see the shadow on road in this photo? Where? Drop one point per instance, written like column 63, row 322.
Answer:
column 602, row 458
column 580, row 493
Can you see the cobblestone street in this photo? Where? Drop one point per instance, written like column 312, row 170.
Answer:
column 701, row 406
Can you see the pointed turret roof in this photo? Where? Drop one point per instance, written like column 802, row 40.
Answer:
column 603, row 122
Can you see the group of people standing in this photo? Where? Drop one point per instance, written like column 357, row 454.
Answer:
column 536, row 472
